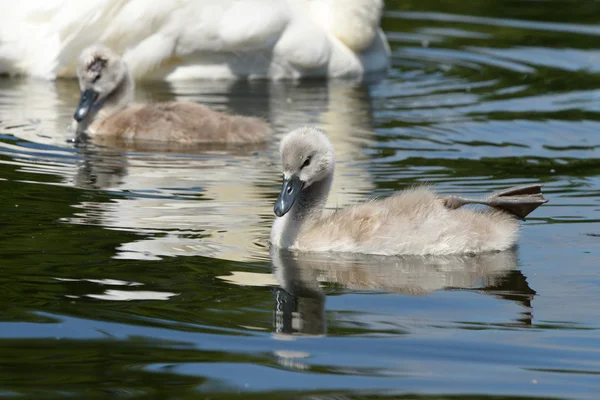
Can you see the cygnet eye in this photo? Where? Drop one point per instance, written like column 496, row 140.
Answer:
column 306, row 162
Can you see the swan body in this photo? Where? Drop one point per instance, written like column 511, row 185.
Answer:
column 413, row 222
column 105, row 110
column 191, row 39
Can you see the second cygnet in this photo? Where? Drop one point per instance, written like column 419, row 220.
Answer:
column 105, row 110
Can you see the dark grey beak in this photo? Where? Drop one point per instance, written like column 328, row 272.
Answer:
column 290, row 190
column 86, row 101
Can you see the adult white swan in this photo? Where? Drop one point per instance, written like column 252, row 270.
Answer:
column 189, row 39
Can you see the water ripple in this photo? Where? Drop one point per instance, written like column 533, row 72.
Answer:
column 146, row 272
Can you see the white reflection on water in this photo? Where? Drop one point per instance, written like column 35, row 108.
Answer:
column 123, row 295
column 213, row 201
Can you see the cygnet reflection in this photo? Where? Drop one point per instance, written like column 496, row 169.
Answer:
column 300, row 300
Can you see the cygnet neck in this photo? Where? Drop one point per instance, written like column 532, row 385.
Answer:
column 119, row 98
column 312, row 199
column 309, row 204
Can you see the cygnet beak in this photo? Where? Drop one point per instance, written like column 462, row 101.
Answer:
column 290, row 190
column 86, row 101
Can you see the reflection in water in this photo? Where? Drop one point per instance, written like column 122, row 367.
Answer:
column 481, row 95
column 158, row 191
column 300, row 300
column 204, row 205
column 100, row 168
column 117, row 294
column 212, row 201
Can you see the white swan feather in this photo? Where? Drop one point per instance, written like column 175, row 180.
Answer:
column 188, row 39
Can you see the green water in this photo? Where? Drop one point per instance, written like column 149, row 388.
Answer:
column 147, row 275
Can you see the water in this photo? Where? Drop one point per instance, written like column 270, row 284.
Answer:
column 145, row 274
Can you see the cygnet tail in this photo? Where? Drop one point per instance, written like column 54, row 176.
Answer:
column 519, row 201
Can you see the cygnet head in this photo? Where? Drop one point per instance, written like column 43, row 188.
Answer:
column 307, row 157
column 100, row 71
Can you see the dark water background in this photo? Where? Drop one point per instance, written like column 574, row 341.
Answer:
column 147, row 275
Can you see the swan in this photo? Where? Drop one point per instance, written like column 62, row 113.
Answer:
column 191, row 39
column 104, row 110
column 412, row 222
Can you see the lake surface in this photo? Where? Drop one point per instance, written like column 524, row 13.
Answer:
column 147, row 275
